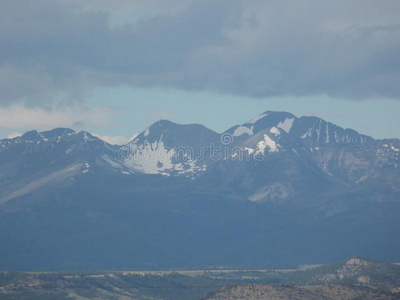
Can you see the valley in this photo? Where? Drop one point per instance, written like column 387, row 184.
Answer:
column 345, row 280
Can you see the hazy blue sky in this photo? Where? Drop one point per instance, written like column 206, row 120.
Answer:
column 137, row 109
column 114, row 67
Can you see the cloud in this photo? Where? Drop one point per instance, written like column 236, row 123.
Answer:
column 129, row 11
column 20, row 117
column 115, row 140
column 13, row 134
column 58, row 51
column 159, row 114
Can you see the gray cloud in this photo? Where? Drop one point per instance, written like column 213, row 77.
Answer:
column 53, row 50
column 18, row 117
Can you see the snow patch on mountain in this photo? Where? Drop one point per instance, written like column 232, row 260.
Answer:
column 150, row 158
column 275, row 131
column 86, row 137
column 243, row 130
column 307, row 134
column 249, row 150
column 286, row 125
column 327, row 133
column 256, row 119
column 113, row 163
column 267, row 142
column 156, row 158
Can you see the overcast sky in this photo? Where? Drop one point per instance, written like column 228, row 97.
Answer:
column 113, row 67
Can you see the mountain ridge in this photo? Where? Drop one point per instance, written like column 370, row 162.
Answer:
column 252, row 121
column 192, row 150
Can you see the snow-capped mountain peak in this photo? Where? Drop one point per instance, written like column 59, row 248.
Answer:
column 264, row 121
column 168, row 148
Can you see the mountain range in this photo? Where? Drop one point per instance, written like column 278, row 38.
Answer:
column 277, row 190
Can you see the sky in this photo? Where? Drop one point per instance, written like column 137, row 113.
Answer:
column 114, row 67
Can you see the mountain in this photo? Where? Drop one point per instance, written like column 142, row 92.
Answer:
column 275, row 191
column 309, row 155
column 43, row 159
column 169, row 149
